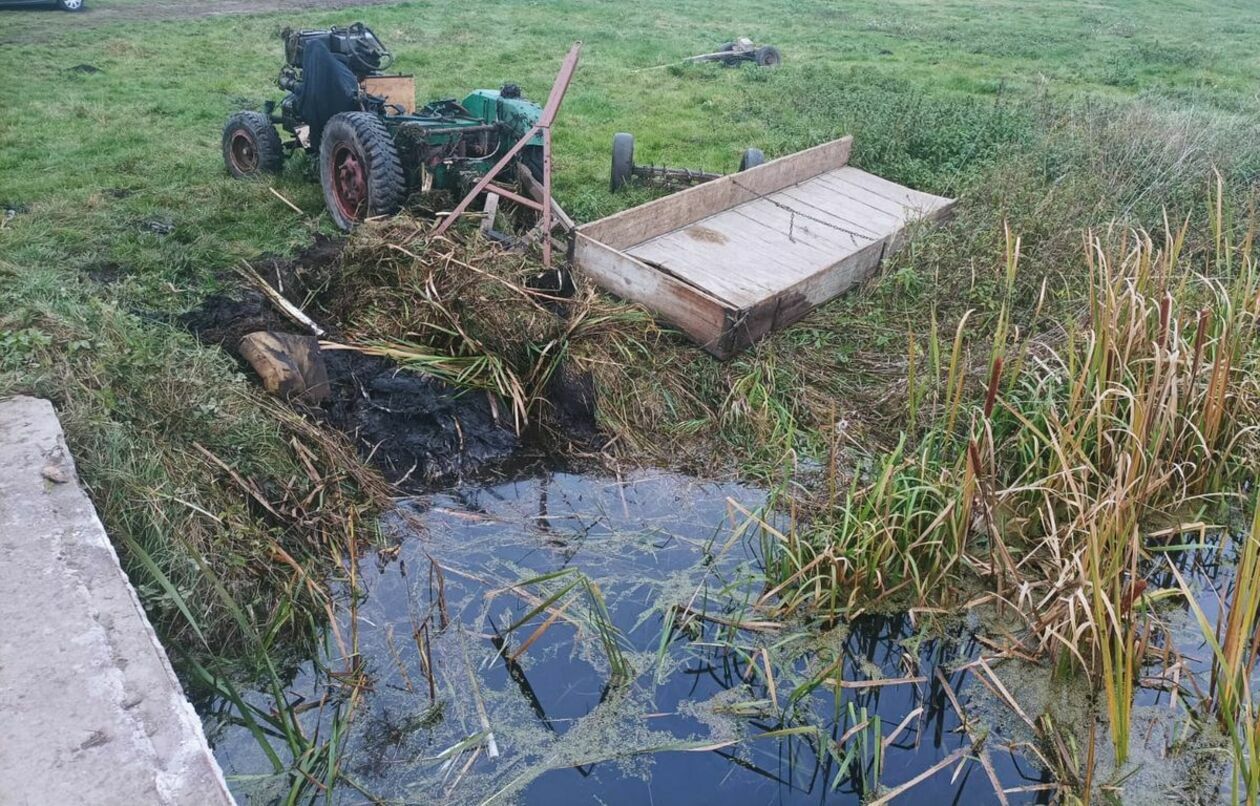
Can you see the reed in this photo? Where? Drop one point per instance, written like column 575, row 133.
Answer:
column 1074, row 447
column 1235, row 646
column 555, row 595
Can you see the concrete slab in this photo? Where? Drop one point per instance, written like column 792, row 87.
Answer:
column 90, row 709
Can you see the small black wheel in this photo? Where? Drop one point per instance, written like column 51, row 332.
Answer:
column 768, row 56
column 751, row 158
column 251, row 146
column 71, row 5
column 622, row 160
column 359, row 169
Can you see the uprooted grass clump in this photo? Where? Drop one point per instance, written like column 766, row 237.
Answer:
column 477, row 316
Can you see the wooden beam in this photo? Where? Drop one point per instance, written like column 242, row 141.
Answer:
column 490, row 211
column 638, row 224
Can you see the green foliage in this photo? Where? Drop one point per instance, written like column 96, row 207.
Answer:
column 1048, row 118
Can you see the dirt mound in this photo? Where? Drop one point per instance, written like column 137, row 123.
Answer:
column 415, row 429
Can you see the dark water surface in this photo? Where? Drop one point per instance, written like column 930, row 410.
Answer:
column 691, row 725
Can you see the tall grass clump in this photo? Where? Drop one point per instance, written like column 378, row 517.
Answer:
column 1235, row 646
column 1044, row 480
column 1131, row 421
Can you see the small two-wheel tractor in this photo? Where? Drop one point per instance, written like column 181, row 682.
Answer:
column 372, row 146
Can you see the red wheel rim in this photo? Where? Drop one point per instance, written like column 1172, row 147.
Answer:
column 244, row 152
column 349, row 182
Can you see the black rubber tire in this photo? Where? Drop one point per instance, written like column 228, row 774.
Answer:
column 751, row 158
column 255, row 129
column 532, row 157
column 365, row 135
column 768, row 56
column 71, row 5
column 622, row 160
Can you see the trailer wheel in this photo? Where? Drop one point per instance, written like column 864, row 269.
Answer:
column 622, row 160
column 768, row 56
column 70, row 5
column 251, row 146
column 532, row 158
column 359, row 169
column 751, row 158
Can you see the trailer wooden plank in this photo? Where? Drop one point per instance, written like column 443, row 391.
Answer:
column 726, row 267
column 848, row 205
column 779, row 254
column 863, row 202
column 702, row 269
column 757, row 250
column 838, row 213
column 794, row 302
column 737, row 262
column 693, row 310
column 774, row 221
column 808, row 202
column 639, row 224
column 739, row 256
column 907, row 197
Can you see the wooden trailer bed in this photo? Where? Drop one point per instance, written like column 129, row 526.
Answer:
column 732, row 259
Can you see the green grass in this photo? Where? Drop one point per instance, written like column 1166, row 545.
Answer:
column 1048, row 118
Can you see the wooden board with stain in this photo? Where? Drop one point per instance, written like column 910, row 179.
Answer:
column 399, row 90
column 755, row 250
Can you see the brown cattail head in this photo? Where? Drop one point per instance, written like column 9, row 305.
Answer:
column 995, row 378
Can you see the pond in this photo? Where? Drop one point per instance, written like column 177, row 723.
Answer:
column 568, row 638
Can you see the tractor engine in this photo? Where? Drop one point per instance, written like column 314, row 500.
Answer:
column 322, row 71
column 356, row 44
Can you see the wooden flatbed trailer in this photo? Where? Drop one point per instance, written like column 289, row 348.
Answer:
column 730, row 260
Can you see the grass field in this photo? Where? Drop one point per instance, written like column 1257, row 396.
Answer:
column 124, row 216
column 1046, row 120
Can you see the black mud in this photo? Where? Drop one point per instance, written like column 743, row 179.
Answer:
column 415, row 429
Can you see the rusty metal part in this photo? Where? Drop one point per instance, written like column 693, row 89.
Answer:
column 672, row 177
column 543, row 127
column 350, row 184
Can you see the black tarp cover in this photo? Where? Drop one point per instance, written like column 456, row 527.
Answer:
column 328, row 87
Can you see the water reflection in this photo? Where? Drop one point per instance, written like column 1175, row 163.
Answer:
column 722, row 705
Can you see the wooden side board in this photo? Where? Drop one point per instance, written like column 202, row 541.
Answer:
column 638, row 224
column 696, row 313
column 400, row 90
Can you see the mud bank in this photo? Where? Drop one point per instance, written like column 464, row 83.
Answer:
column 415, row 429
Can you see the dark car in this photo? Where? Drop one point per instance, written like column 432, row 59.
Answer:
column 64, row 5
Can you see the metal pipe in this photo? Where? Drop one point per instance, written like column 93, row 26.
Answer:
column 518, row 198
column 485, row 127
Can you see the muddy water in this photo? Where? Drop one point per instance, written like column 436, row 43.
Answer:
column 698, row 720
